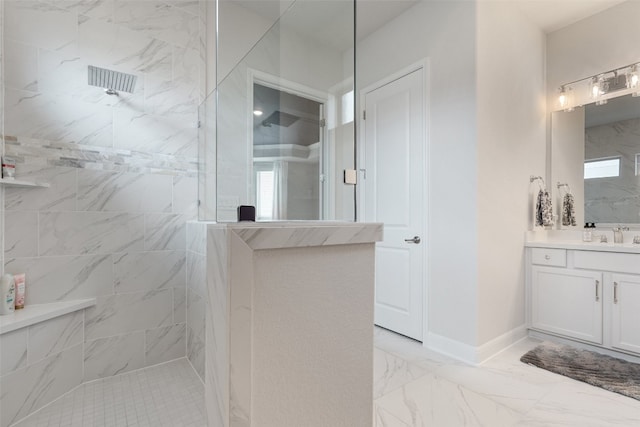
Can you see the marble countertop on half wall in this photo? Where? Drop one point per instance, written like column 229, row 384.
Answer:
column 292, row 234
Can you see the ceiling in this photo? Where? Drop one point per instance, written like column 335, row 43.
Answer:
column 330, row 21
column 551, row 15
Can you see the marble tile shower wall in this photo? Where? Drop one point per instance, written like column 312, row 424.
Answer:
column 122, row 172
column 196, row 295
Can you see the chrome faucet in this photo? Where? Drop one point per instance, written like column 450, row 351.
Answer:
column 618, row 237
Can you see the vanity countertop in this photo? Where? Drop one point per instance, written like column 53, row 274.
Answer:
column 561, row 239
column 586, row 246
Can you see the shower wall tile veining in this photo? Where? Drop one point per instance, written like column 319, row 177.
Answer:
column 196, row 294
column 123, row 184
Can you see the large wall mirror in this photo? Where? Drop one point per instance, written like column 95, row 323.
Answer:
column 596, row 152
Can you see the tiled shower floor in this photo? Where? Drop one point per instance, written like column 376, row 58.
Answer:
column 169, row 395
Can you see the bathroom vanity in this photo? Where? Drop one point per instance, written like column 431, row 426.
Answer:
column 588, row 292
column 289, row 325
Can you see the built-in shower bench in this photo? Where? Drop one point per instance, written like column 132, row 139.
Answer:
column 36, row 313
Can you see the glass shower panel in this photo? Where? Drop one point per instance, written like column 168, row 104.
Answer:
column 207, row 163
column 285, row 129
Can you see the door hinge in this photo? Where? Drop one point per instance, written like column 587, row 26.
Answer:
column 323, row 123
column 364, row 114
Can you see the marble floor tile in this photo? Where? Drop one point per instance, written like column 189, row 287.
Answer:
column 434, row 401
column 392, row 372
column 578, row 404
column 382, row 418
column 501, row 391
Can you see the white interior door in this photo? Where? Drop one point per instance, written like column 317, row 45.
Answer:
column 394, row 163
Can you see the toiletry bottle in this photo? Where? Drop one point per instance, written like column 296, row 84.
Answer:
column 20, row 284
column 8, row 168
column 587, row 235
column 8, row 289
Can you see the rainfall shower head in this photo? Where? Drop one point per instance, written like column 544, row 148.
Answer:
column 280, row 119
column 112, row 81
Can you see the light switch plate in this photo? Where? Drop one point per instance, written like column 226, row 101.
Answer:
column 350, row 176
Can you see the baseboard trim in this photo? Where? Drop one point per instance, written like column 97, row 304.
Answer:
column 489, row 349
column 452, row 348
column 471, row 354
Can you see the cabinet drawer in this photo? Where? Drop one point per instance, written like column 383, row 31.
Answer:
column 545, row 256
column 607, row 261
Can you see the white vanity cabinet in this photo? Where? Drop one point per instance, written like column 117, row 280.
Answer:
column 586, row 295
column 567, row 302
column 625, row 315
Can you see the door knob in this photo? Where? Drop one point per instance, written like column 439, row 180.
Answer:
column 416, row 240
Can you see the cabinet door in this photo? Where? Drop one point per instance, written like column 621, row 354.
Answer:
column 567, row 302
column 625, row 322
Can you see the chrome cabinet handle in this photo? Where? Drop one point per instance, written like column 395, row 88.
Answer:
column 615, row 292
column 597, row 292
column 416, row 240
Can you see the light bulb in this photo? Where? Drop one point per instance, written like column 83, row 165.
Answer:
column 599, row 88
column 257, row 113
column 595, row 88
column 633, row 80
column 565, row 99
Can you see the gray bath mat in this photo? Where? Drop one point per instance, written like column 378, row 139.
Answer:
column 590, row 367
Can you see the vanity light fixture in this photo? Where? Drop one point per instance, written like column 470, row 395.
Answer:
column 565, row 99
column 600, row 87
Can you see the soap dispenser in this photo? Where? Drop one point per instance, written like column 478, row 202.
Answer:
column 587, row 234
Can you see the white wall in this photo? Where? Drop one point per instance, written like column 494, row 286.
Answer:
column 567, row 128
column 486, row 135
column 444, row 32
column 511, row 147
